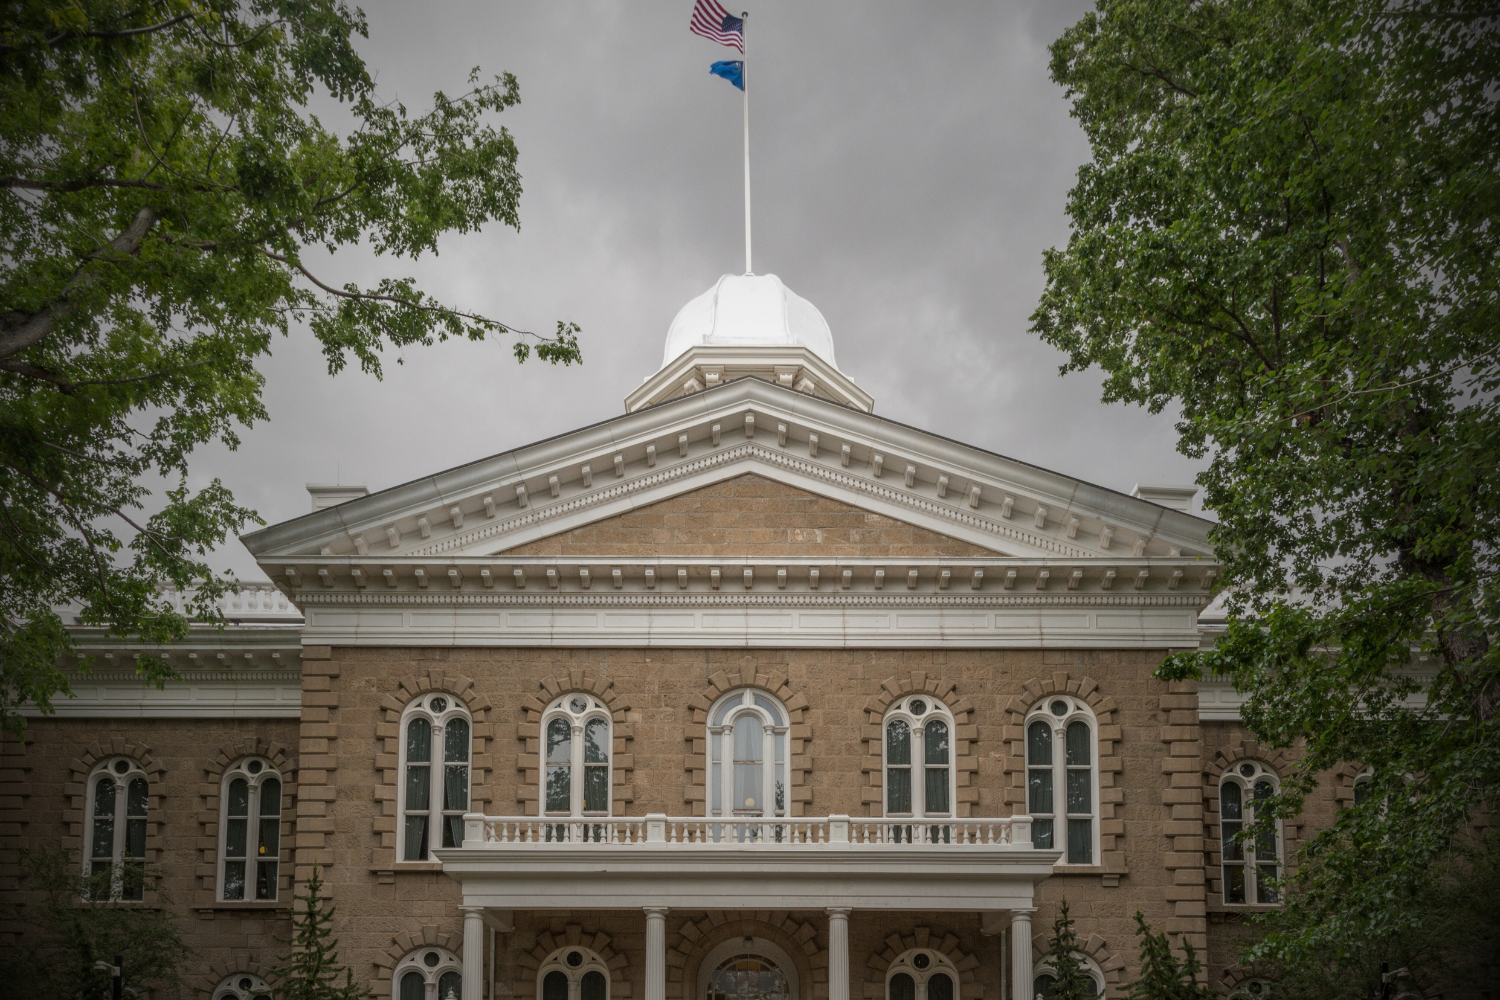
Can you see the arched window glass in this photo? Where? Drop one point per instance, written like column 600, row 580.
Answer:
column 573, row 973
column 1044, row 980
column 1250, row 868
column 250, row 831
column 747, row 750
column 1363, row 782
column 119, row 795
column 928, row 722
column 748, row 977
column 435, row 733
column 242, row 986
column 428, row 974
column 921, row 974
column 1066, row 820
column 579, row 745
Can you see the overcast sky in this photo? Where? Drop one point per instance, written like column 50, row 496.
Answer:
column 909, row 163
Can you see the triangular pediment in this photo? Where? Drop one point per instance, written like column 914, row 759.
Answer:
column 750, row 516
column 694, row 455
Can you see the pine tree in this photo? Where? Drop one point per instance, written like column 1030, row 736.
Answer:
column 1163, row 977
column 311, row 971
column 1071, row 982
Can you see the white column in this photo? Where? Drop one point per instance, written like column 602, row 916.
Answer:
column 656, row 953
column 838, row 953
column 1020, row 954
column 473, row 953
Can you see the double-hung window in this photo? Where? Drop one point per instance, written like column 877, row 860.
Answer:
column 1251, row 865
column 434, row 789
column 1062, row 781
column 118, row 798
column 250, row 830
column 919, row 765
column 576, row 781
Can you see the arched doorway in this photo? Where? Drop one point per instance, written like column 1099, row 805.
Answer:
column 748, row 968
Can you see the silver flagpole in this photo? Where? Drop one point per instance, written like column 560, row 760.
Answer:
column 745, row 79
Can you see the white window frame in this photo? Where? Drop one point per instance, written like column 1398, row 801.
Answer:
column 416, row 961
column 558, row 962
column 578, row 710
column 1365, row 777
column 427, row 707
column 255, row 771
column 1234, row 774
column 242, row 986
column 906, row 710
column 730, row 707
column 1073, row 710
column 937, row 962
column 122, row 771
column 1090, row 969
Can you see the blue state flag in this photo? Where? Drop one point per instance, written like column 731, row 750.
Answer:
column 732, row 70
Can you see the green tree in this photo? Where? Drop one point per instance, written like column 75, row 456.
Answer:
column 68, row 925
column 1163, row 976
column 1069, row 981
column 1287, row 232
column 162, row 181
column 312, row 970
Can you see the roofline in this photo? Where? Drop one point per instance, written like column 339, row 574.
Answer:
column 432, row 490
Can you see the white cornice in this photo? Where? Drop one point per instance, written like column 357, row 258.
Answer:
column 690, row 442
column 705, row 366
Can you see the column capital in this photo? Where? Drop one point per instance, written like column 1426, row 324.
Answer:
column 656, row 911
column 839, row 911
column 472, row 909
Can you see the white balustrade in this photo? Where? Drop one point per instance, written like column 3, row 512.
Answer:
column 677, row 832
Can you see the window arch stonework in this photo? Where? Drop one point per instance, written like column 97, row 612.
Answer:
column 799, row 732
column 697, row 940
column 281, row 758
column 1278, row 761
column 211, row 986
column 77, row 837
column 529, row 762
column 882, row 965
column 1095, row 949
column 1111, row 796
column 388, row 964
column 964, row 737
column 550, row 943
column 387, row 759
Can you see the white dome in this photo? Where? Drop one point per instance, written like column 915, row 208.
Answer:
column 749, row 310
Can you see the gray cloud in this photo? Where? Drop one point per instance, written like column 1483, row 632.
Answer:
column 910, row 164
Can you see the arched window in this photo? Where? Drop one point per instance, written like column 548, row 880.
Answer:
column 921, row 974
column 1044, row 978
column 434, row 790
column 249, row 830
column 573, row 973
column 428, row 974
column 747, row 753
column 747, row 968
column 1062, row 778
column 576, row 781
column 1363, row 782
column 1250, row 869
column 1252, row 989
column 242, row 986
column 115, row 855
column 919, row 758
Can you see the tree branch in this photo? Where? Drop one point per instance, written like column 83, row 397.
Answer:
column 38, row 325
column 32, row 184
column 127, row 33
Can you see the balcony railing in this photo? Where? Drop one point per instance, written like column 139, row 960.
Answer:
column 674, row 832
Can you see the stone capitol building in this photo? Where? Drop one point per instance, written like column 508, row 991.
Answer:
column 745, row 693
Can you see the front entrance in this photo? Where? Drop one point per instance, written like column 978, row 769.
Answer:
column 748, row 968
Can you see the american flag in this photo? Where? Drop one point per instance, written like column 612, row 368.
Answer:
column 713, row 22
